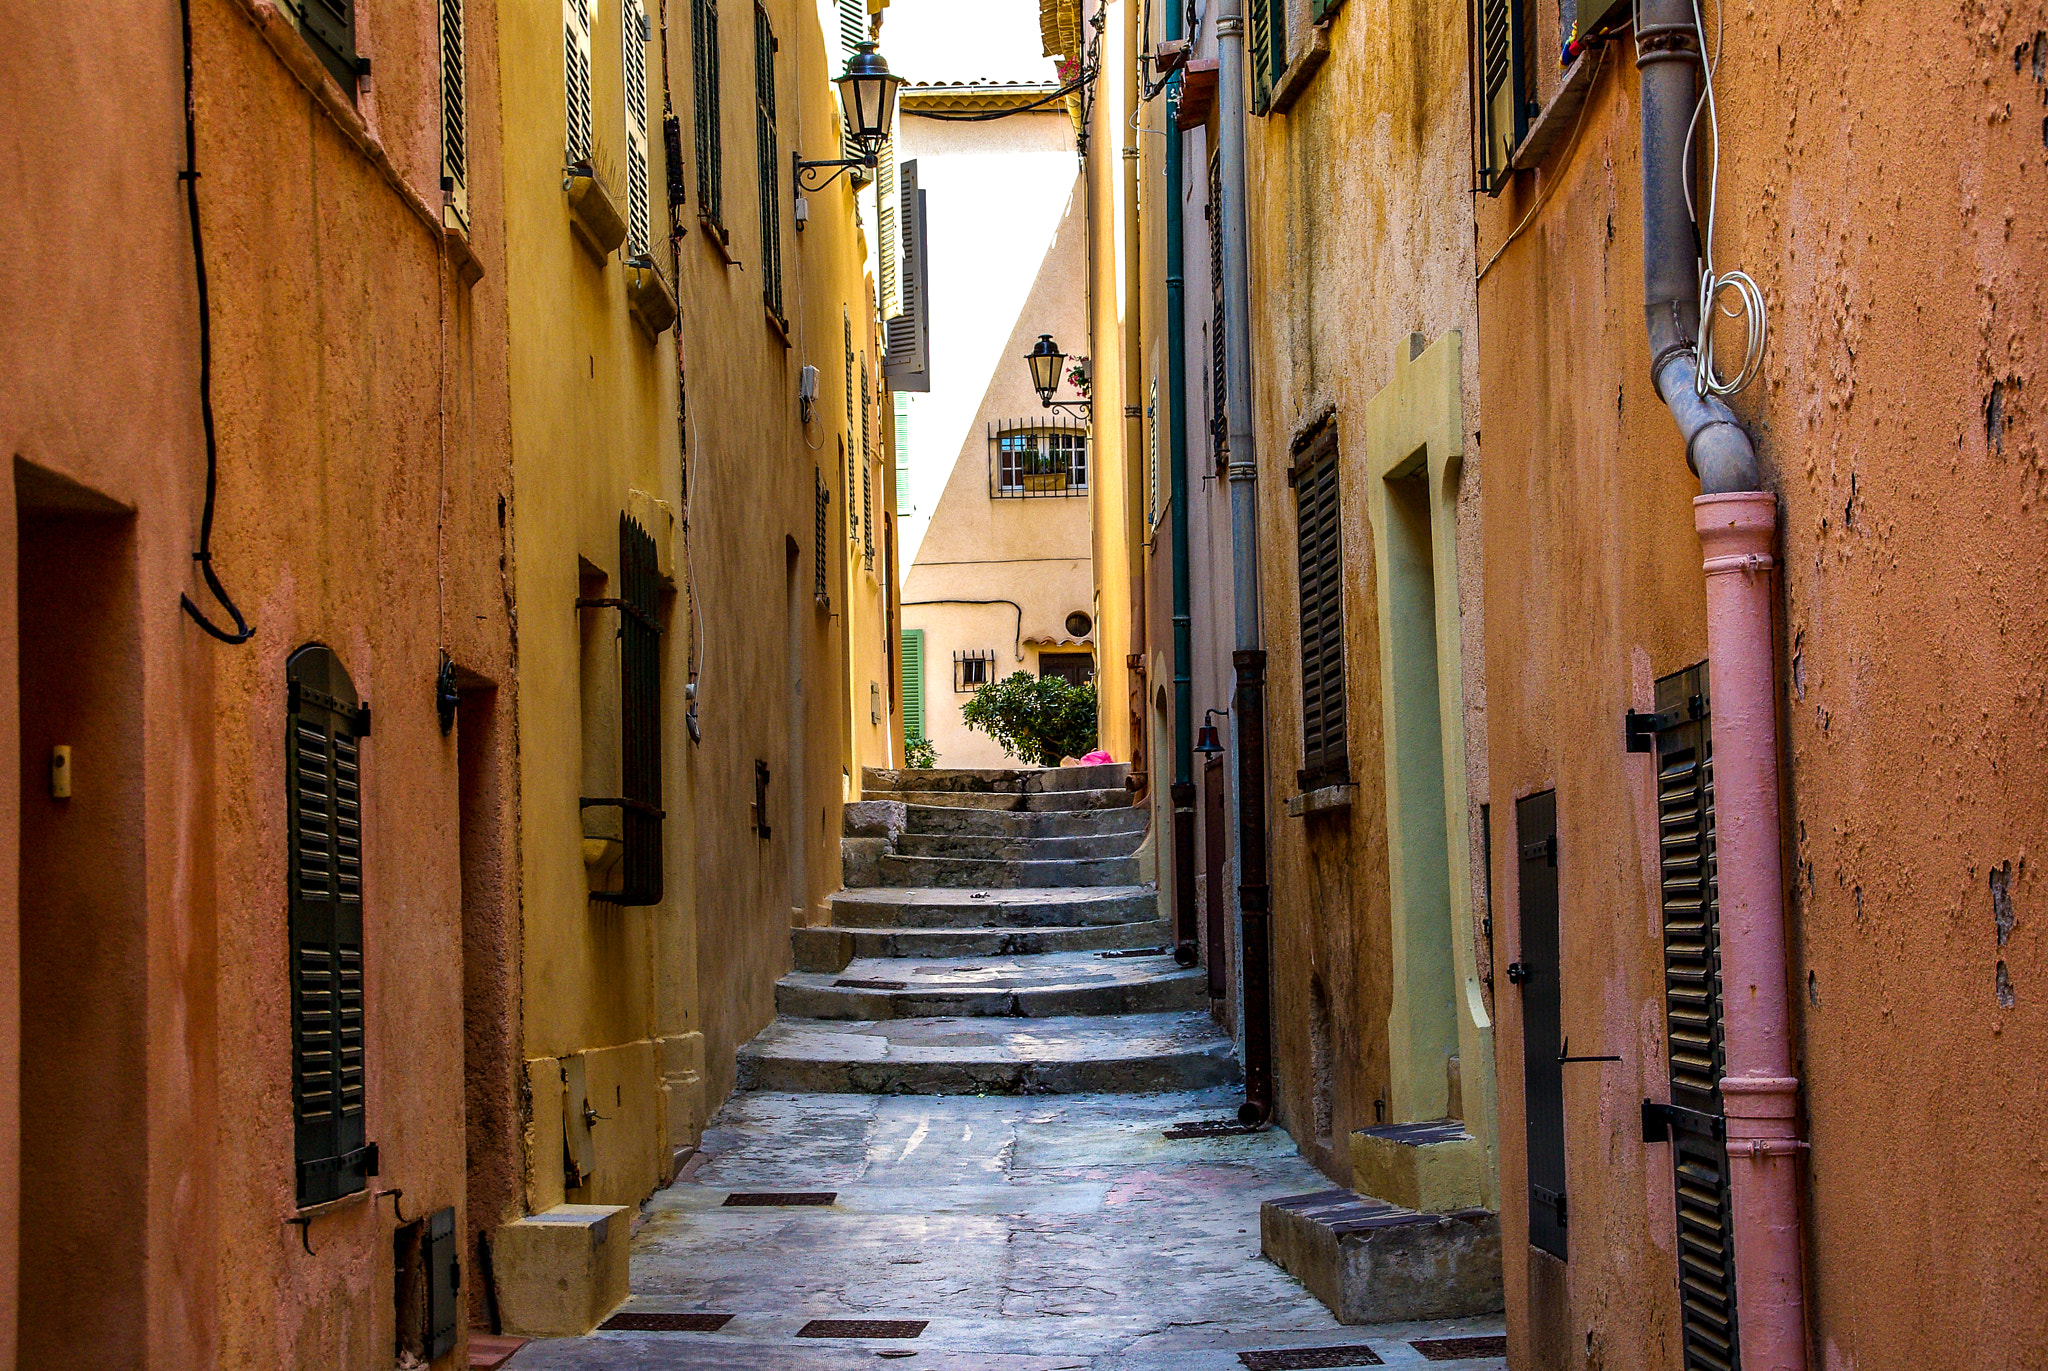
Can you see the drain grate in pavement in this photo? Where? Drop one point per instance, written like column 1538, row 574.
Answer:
column 1213, row 1128
column 778, row 1199
column 870, row 985
column 862, row 1328
column 1134, row 952
column 1457, row 1349
column 1302, row 1358
column 666, row 1323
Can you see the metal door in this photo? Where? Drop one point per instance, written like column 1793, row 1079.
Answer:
column 1536, row 972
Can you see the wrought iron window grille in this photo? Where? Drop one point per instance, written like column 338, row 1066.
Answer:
column 1037, row 458
column 973, row 668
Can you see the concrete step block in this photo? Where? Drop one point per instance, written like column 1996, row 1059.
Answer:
column 988, row 847
column 1374, row 1262
column 1063, row 985
column 1436, row 1167
column 562, row 1271
column 1027, row 802
column 975, row 873
column 831, row 949
column 995, row 908
column 1008, row 823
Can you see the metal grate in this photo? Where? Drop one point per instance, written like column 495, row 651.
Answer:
column 1134, row 952
column 870, row 985
column 1037, row 458
column 1457, row 1349
column 778, row 1199
column 1210, row 1128
column 1291, row 1358
column 666, row 1323
column 862, row 1328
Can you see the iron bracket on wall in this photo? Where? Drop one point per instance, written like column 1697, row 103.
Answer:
column 1639, row 731
column 1553, row 1198
column 1520, row 973
column 1660, row 1119
column 1564, row 1058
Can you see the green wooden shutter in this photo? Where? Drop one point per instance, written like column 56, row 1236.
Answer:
column 329, row 28
column 705, row 103
column 913, row 683
column 1325, row 757
column 767, row 148
column 1219, row 399
column 324, row 837
column 1269, row 50
column 1503, row 98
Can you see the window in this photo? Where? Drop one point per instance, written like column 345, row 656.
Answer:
column 454, row 144
column 913, row 683
column 853, row 31
column 1038, row 460
column 1219, row 395
column 1075, row 668
column 633, row 41
column 768, row 150
column 1324, row 758
column 867, row 493
column 704, row 88
column 638, row 770
column 1503, row 93
column 906, row 360
column 324, row 728
column 820, row 591
column 972, row 670
column 1269, row 49
column 576, row 80
column 329, row 28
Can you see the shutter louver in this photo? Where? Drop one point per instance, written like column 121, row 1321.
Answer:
column 705, row 102
column 907, row 363
column 1325, row 758
column 1268, row 50
column 1219, row 417
column 633, row 61
column 819, row 590
column 902, row 406
column 323, row 779
column 1693, row 1019
column 853, row 31
column 867, row 463
column 913, row 683
column 767, row 149
column 329, row 28
column 889, row 250
column 1503, row 117
column 576, row 80
column 454, row 136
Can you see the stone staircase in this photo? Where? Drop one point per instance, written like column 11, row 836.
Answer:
column 992, row 938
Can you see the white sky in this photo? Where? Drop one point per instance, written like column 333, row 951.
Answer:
column 964, row 40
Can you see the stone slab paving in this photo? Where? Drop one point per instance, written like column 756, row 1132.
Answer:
column 1034, row 1234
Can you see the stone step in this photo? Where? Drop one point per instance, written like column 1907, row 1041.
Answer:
column 1004, row 823
column 1374, row 1262
column 882, row 907
column 1031, row 802
column 833, row 949
column 1132, row 1053
column 1036, row 780
column 989, row 848
column 1059, row 985
column 973, row 873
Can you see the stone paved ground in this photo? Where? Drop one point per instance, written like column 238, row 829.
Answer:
column 1037, row 1233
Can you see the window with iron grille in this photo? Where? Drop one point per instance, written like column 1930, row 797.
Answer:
column 324, row 726
column 576, row 81
column 1037, row 458
column 973, row 669
column 705, row 95
column 633, row 38
column 1325, row 759
column 454, row 144
column 824, row 502
column 1503, row 103
column 639, row 799
column 767, row 148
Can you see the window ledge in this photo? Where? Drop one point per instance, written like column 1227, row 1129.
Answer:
column 1560, row 114
column 1322, row 800
column 776, row 325
column 1301, row 70
column 593, row 213
column 649, row 297
column 714, row 233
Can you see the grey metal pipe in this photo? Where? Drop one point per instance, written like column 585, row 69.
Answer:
column 1668, row 55
column 1250, row 659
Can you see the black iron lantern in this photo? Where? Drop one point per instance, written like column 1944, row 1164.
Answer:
column 867, row 95
column 1046, row 362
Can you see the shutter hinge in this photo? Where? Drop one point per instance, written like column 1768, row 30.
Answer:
column 1639, row 731
column 1553, row 1198
column 1660, row 1120
column 1543, row 850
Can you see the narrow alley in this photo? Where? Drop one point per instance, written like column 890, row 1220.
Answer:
column 992, row 1130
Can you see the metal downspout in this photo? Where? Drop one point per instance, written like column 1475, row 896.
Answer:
column 1737, row 525
column 1186, row 940
column 1249, row 716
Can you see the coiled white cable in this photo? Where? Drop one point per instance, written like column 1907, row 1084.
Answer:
column 1748, row 303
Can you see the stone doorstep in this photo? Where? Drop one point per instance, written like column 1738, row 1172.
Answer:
column 832, row 949
column 562, row 1271
column 1436, row 1167
column 1374, row 1262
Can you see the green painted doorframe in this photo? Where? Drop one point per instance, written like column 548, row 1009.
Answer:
column 1414, row 450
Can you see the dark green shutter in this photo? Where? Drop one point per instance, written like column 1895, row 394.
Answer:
column 1503, row 97
column 1325, row 757
column 329, row 28
column 705, row 98
column 324, row 726
column 1539, row 974
column 1693, row 1020
column 443, row 1251
column 913, row 683
column 1219, row 397
column 1269, row 50
column 768, row 149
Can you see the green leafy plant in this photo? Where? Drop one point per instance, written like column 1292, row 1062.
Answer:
column 919, row 754
column 1036, row 719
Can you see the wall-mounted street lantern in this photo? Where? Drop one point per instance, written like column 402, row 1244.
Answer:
column 1206, row 741
column 867, row 97
column 1047, row 362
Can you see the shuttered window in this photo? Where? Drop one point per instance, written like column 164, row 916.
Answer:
column 907, row 362
column 1325, row 759
column 324, row 727
column 1693, row 1020
column 913, row 683
column 576, row 80
column 454, row 135
column 1219, row 406
column 329, row 28
column 1269, row 49
column 633, row 62
column 705, row 101
column 867, row 466
column 853, row 31
column 823, row 501
column 889, row 251
column 639, row 799
column 767, row 148
column 1539, row 973
column 1503, row 93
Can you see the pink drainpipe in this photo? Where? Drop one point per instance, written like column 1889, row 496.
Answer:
column 1759, row 1092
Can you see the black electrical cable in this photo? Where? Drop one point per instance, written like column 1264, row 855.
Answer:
column 204, row 556
column 1083, row 79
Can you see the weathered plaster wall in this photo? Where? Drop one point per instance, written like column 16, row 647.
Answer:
column 1882, row 183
